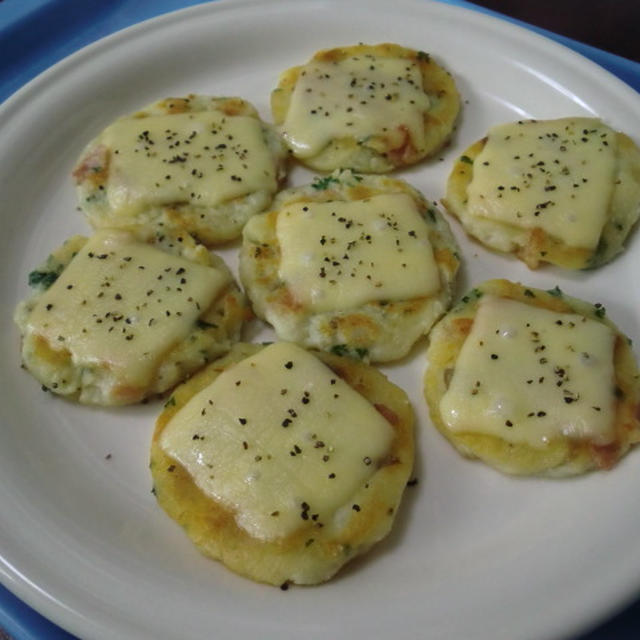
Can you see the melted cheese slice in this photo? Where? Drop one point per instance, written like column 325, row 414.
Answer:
column 557, row 175
column 529, row 375
column 341, row 255
column 280, row 440
column 356, row 98
column 203, row 158
column 123, row 305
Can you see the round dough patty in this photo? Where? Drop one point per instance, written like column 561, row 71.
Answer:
column 380, row 149
column 377, row 331
column 533, row 245
column 561, row 456
column 183, row 151
column 309, row 555
column 96, row 380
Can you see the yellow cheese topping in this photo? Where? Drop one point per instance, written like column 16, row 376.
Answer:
column 529, row 375
column 203, row 158
column 356, row 97
column 340, row 255
column 280, row 440
column 557, row 175
column 123, row 305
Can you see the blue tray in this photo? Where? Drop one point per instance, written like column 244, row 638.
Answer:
column 35, row 34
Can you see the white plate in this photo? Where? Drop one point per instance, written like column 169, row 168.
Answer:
column 474, row 554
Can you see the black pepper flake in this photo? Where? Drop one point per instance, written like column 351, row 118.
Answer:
column 288, row 365
column 242, row 420
column 355, row 507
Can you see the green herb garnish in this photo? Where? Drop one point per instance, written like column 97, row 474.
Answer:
column 42, row 279
column 320, row 184
column 340, row 349
column 556, row 292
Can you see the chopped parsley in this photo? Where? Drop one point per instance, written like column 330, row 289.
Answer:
column 556, row 292
column 340, row 350
column 473, row 294
column 343, row 350
column 42, row 279
column 320, row 184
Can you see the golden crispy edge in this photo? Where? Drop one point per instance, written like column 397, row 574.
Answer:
column 218, row 328
column 347, row 152
column 562, row 457
column 210, row 225
column 535, row 246
column 367, row 331
column 310, row 555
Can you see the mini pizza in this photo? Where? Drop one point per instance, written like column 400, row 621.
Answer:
column 565, row 191
column 370, row 108
column 198, row 164
column 360, row 266
column 115, row 320
column 284, row 464
column 533, row 382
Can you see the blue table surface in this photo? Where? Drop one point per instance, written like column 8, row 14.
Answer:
column 35, row 34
